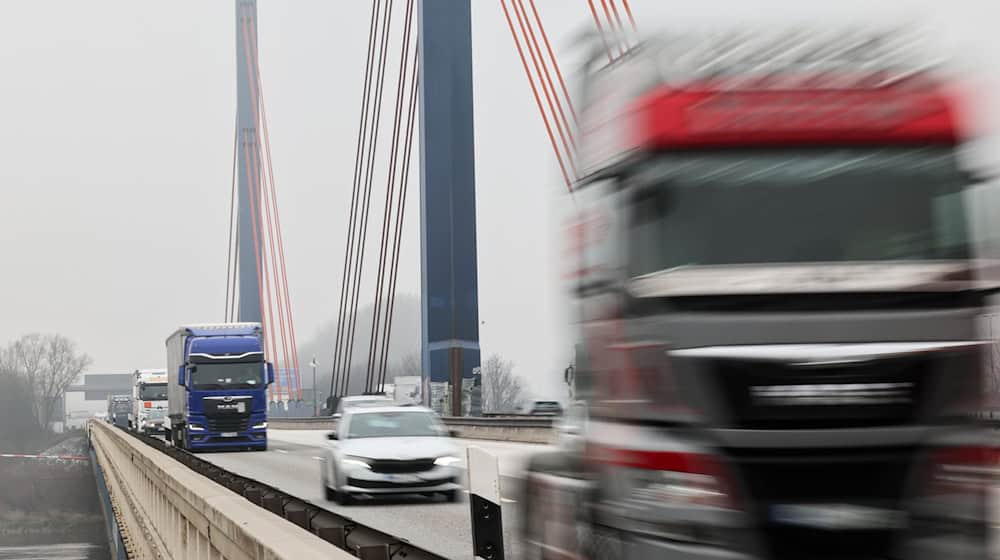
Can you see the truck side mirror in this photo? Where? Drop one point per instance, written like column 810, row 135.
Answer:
column 270, row 373
column 182, row 376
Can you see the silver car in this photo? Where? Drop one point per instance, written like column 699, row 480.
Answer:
column 380, row 450
column 361, row 400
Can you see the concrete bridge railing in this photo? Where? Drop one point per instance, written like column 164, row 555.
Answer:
column 166, row 510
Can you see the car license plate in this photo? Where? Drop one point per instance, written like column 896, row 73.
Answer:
column 229, row 434
column 400, row 478
column 837, row 517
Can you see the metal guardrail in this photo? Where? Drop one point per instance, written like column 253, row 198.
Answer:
column 498, row 421
column 523, row 429
column 195, row 521
column 502, row 421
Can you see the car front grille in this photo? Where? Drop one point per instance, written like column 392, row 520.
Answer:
column 377, row 484
column 399, row 467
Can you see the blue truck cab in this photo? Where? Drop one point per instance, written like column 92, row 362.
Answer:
column 217, row 387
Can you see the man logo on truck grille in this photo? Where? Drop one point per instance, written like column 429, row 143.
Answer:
column 832, row 394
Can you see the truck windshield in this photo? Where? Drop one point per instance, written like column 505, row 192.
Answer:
column 231, row 375
column 153, row 392
column 798, row 206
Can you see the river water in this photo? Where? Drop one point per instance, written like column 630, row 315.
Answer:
column 66, row 551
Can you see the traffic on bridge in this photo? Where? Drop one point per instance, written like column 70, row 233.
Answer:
column 735, row 267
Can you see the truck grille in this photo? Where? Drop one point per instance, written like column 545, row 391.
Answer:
column 228, row 423
column 784, row 396
column 860, row 477
column 398, row 467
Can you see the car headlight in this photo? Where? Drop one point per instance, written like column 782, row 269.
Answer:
column 195, row 428
column 446, row 461
column 359, row 462
column 260, row 426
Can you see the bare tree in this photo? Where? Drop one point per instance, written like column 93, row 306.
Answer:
column 47, row 364
column 62, row 366
column 28, row 356
column 19, row 427
column 408, row 365
column 502, row 390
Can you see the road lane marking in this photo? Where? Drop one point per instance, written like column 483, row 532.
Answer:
column 318, row 458
column 281, row 451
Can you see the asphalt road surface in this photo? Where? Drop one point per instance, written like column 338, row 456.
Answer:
column 292, row 463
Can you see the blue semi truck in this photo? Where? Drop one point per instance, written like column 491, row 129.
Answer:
column 217, row 387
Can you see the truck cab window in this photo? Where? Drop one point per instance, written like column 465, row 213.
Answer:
column 246, row 375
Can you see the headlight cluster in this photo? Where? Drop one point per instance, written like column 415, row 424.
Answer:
column 681, row 488
column 260, row 426
column 357, row 462
column 446, row 461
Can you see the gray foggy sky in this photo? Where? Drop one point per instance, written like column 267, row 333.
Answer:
column 116, row 134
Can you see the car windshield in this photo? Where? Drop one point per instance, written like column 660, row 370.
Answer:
column 363, row 402
column 393, row 424
column 228, row 375
column 798, row 206
column 153, row 392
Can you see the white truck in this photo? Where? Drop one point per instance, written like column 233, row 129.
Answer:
column 149, row 401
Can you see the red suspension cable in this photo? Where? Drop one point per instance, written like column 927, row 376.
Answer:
column 538, row 100
column 277, row 256
column 615, row 37
column 253, row 171
column 619, row 26
column 628, row 11
column 231, row 247
column 555, row 64
column 548, row 86
column 600, row 29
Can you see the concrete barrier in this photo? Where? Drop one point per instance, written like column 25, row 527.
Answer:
column 166, row 510
column 518, row 429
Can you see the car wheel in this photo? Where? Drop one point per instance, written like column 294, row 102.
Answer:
column 328, row 492
column 343, row 498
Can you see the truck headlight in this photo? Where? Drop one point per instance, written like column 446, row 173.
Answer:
column 195, row 428
column 446, row 461
column 356, row 462
column 260, row 426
